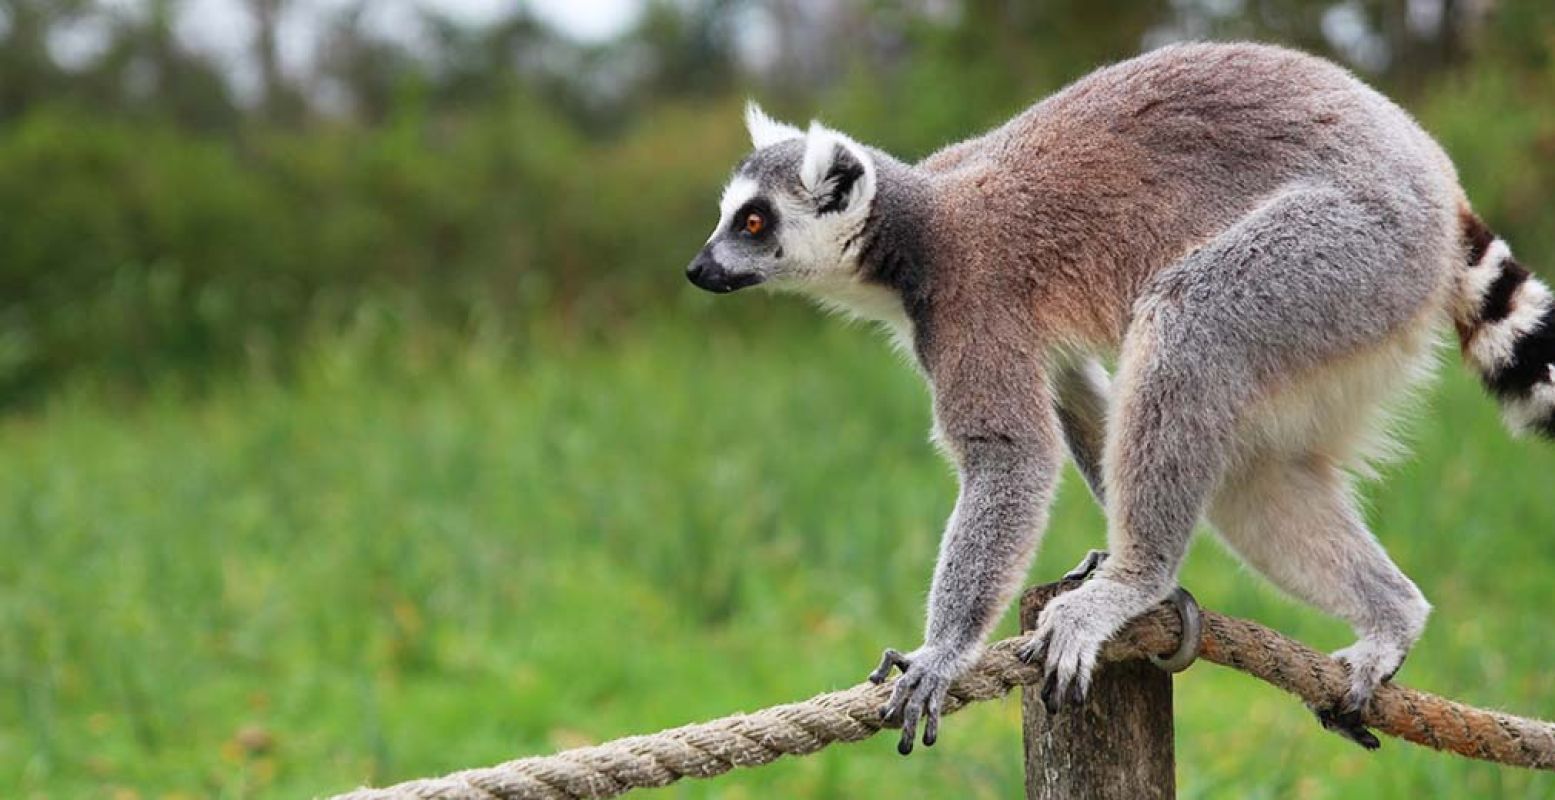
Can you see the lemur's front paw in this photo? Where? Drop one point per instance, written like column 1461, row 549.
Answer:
column 920, row 692
column 1068, row 640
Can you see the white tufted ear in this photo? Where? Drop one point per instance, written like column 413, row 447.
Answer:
column 838, row 171
column 765, row 130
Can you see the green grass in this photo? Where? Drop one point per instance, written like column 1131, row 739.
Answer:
column 372, row 573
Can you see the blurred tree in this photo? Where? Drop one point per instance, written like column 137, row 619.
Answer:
column 1402, row 42
column 473, row 67
column 280, row 102
column 359, row 70
column 150, row 73
column 688, row 47
column 28, row 73
column 186, row 87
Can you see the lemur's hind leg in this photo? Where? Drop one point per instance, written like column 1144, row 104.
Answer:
column 1081, row 392
column 1310, row 277
column 1296, row 521
column 1080, row 395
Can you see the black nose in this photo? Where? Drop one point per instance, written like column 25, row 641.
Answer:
column 706, row 273
column 700, row 269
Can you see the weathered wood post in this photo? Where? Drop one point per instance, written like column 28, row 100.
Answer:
column 1119, row 745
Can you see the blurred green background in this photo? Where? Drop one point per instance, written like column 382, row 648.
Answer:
column 357, row 423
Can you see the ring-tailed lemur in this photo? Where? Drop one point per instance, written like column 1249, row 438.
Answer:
column 1267, row 246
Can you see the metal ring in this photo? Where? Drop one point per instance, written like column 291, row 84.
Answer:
column 1192, row 630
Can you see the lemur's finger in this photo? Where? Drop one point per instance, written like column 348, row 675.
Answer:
column 910, row 723
column 891, row 658
column 1365, row 738
column 1092, row 561
column 1050, row 692
column 1035, row 649
column 1347, row 724
column 1076, row 693
column 888, row 711
column 892, row 710
column 1355, row 700
column 931, row 721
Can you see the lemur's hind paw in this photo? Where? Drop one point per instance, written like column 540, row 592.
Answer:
column 1347, row 724
column 920, row 692
column 1370, row 662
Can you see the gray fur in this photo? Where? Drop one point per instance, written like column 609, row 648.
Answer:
column 1264, row 243
column 1080, row 396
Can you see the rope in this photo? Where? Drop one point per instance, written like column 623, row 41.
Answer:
column 760, row 737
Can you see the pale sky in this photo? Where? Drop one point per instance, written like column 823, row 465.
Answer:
column 225, row 29
column 591, row 20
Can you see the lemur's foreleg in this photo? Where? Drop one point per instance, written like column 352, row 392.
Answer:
column 994, row 420
column 1311, row 276
column 1170, row 428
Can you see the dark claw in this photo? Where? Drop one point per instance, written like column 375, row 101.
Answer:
column 891, row 658
column 1347, row 724
column 1087, row 565
column 1035, row 653
column 1076, row 694
column 1050, row 693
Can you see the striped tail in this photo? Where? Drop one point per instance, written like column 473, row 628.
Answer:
column 1506, row 321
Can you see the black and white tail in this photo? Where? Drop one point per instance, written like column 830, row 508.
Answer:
column 1506, row 321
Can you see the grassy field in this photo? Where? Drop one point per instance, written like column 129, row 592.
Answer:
column 393, row 567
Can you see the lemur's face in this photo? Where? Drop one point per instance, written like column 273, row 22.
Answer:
column 791, row 215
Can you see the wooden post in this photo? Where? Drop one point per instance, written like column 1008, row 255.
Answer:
column 1119, row 745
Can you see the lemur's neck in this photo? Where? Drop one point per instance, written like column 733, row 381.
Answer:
column 892, row 247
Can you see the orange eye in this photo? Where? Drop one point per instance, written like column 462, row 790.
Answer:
column 755, row 223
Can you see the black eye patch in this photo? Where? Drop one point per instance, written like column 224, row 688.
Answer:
column 756, row 205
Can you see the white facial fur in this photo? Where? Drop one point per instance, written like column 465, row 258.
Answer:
column 813, row 244
column 737, row 193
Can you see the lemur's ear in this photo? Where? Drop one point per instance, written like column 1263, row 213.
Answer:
column 836, row 170
column 765, row 130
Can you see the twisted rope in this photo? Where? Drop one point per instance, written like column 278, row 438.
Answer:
column 760, row 737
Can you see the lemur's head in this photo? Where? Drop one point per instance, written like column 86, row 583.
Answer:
column 791, row 213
